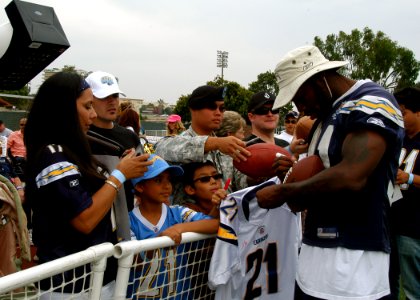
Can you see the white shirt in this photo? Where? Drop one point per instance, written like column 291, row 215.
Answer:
column 343, row 274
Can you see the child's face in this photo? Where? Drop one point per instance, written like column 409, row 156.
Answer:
column 204, row 184
column 157, row 189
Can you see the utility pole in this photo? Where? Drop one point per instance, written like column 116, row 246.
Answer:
column 222, row 60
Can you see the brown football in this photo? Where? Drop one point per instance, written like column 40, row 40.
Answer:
column 261, row 159
column 303, row 127
column 304, row 169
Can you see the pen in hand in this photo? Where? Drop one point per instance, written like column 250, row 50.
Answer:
column 227, row 184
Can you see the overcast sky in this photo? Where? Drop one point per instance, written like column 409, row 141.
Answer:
column 162, row 49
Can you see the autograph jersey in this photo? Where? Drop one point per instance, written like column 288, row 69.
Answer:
column 165, row 275
column 255, row 256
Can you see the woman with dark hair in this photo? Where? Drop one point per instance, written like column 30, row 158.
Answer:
column 70, row 192
column 130, row 119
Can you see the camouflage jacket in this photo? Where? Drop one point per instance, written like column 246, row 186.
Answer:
column 189, row 147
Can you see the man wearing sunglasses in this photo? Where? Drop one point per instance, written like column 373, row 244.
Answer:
column 199, row 143
column 264, row 120
column 290, row 121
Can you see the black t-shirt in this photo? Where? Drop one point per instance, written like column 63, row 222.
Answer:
column 253, row 139
column 406, row 212
column 123, row 139
column 118, row 135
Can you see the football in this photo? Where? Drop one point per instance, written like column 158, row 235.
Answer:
column 304, row 169
column 303, row 127
column 261, row 159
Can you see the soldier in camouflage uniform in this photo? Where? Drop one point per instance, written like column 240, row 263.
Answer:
column 199, row 143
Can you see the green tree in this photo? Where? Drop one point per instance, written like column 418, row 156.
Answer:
column 181, row 108
column 265, row 82
column 237, row 98
column 373, row 56
column 18, row 102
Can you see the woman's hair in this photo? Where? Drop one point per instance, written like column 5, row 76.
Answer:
column 231, row 123
column 129, row 117
column 179, row 127
column 53, row 119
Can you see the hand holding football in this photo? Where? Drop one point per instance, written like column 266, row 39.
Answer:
column 304, row 169
column 303, row 127
column 260, row 163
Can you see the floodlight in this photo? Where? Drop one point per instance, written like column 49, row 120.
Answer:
column 29, row 43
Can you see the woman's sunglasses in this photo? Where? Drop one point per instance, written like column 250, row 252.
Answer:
column 206, row 179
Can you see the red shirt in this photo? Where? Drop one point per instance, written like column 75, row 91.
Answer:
column 15, row 144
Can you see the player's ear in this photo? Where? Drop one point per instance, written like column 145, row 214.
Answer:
column 189, row 190
column 139, row 188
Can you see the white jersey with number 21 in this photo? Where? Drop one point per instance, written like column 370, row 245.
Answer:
column 255, row 255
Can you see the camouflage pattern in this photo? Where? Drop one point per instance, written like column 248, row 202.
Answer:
column 189, row 147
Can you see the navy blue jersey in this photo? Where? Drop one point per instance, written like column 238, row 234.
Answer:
column 406, row 212
column 58, row 194
column 356, row 219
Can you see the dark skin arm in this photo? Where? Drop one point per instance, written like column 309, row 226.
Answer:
column 361, row 153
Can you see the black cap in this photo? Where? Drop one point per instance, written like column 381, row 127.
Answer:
column 205, row 94
column 259, row 99
column 292, row 114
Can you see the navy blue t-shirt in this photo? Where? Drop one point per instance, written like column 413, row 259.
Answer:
column 406, row 212
column 58, row 194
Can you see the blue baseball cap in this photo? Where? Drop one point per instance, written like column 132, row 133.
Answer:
column 159, row 165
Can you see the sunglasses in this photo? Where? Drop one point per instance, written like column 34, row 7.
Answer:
column 214, row 106
column 290, row 121
column 206, row 179
column 264, row 110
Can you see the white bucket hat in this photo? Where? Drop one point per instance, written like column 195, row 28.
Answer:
column 296, row 67
column 103, row 84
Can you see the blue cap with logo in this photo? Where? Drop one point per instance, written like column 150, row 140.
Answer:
column 159, row 165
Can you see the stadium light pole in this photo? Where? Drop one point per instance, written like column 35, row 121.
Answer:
column 222, row 60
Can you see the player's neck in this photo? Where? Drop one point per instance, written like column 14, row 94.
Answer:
column 151, row 210
column 101, row 123
column 206, row 205
column 412, row 132
column 200, row 130
column 267, row 137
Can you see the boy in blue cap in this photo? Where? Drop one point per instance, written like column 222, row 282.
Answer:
column 153, row 217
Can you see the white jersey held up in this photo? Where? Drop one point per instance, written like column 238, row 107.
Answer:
column 255, row 255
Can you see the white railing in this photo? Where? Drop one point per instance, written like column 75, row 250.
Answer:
column 148, row 267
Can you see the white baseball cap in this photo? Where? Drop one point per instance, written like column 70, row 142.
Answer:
column 296, row 67
column 103, row 84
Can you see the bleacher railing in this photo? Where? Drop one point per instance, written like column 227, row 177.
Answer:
column 148, row 268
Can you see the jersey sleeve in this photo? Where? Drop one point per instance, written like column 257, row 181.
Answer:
column 374, row 113
column 189, row 215
column 58, row 176
column 225, row 260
